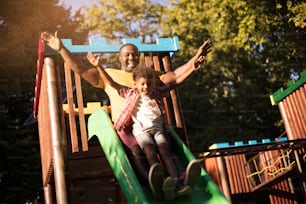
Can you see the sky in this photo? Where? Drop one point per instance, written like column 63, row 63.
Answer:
column 76, row 4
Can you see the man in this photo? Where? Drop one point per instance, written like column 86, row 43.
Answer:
column 129, row 59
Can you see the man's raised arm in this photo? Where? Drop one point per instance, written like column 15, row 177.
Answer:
column 89, row 74
column 184, row 71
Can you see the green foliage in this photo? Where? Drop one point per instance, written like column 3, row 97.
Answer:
column 298, row 14
column 116, row 19
column 256, row 43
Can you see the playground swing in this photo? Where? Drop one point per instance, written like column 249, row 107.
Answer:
column 51, row 114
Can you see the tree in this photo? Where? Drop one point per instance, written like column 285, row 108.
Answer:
column 116, row 19
column 256, row 43
column 21, row 22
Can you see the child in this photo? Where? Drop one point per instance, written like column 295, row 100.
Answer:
column 143, row 109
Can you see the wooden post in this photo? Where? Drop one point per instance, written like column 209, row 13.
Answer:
column 291, row 136
column 223, row 177
column 58, row 157
column 48, row 194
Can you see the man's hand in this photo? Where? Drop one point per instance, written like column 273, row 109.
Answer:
column 52, row 40
column 200, row 57
column 93, row 59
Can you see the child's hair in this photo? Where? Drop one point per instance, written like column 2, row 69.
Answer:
column 144, row 72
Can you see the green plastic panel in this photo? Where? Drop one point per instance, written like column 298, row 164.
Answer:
column 280, row 94
column 99, row 125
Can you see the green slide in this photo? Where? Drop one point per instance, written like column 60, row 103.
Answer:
column 99, row 124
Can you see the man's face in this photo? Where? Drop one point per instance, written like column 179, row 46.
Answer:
column 129, row 58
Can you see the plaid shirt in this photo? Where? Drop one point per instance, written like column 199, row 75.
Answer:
column 131, row 98
column 124, row 118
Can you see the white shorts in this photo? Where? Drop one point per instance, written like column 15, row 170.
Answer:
column 153, row 136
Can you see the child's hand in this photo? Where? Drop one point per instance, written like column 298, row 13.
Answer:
column 93, row 59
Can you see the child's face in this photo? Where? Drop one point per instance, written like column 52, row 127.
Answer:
column 145, row 86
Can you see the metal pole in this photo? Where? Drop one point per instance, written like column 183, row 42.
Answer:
column 55, row 125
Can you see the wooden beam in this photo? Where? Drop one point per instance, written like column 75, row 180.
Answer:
column 58, row 157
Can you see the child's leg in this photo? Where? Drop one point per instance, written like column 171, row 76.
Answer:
column 167, row 186
column 165, row 153
column 156, row 174
column 148, row 146
column 191, row 175
column 135, row 154
column 178, row 164
column 167, row 159
column 193, row 170
column 151, row 154
column 139, row 163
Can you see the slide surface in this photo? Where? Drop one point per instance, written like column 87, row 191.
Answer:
column 100, row 125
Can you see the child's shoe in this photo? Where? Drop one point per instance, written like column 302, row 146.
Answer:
column 168, row 188
column 193, row 173
column 156, row 177
column 182, row 189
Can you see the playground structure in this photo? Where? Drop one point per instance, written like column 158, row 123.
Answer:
column 75, row 170
column 266, row 171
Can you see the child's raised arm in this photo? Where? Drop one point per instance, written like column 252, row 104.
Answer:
column 106, row 78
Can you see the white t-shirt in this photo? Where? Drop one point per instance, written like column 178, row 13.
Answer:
column 146, row 115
